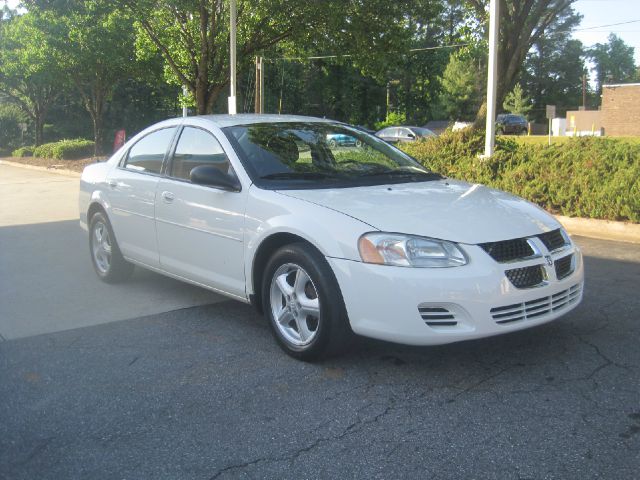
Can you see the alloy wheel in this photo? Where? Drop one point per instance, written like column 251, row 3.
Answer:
column 101, row 247
column 294, row 304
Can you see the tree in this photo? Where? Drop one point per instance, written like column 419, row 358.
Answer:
column 95, row 44
column 517, row 102
column 11, row 118
column 30, row 72
column 522, row 23
column 553, row 73
column 614, row 62
column 462, row 85
column 193, row 35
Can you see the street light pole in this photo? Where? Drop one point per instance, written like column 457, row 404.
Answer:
column 232, row 57
column 492, row 80
column 185, row 109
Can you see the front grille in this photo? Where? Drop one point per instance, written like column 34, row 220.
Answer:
column 525, row 277
column 520, row 248
column 508, row 250
column 553, row 240
column 536, row 308
column 564, row 267
column 437, row 316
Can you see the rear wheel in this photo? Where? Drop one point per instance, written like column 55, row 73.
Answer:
column 106, row 257
column 304, row 305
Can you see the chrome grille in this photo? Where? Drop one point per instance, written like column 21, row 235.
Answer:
column 564, row 267
column 536, row 308
column 553, row 240
column 508, row 250
column 526, row 277
column 437, row 316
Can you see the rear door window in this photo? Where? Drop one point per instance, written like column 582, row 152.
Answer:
column 148, row 153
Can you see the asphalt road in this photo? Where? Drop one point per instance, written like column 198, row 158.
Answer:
column 47, row 283
column 204, row 392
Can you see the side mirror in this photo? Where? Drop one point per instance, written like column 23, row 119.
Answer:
column 213, row 177
column 411, row 135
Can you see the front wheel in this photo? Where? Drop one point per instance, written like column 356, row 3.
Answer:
column 107, row 260
column 304, row 305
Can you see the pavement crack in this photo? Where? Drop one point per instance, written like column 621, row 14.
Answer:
column 482, row 381
column 606, row 360
column 293, row 456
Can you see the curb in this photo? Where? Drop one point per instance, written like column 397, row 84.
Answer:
column 585, row 227
column 59, row 171
column 602, row 229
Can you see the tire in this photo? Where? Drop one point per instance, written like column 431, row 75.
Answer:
column 332, row 143
column 313, row 319
column 107, row 260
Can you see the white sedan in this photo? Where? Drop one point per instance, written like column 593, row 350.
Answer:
column 326, row 240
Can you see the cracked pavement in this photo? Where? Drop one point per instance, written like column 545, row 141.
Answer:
column 205, row 393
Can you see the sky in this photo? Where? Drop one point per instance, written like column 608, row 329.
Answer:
column 596, row 13
column 606, row 12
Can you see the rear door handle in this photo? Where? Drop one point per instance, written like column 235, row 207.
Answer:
column 168, row 196
column 112, row 183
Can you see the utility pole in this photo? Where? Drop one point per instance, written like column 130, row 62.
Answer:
column 259, row 103
column 185, row 109
column 492, row 79
column 232, row 57
column 584, row 91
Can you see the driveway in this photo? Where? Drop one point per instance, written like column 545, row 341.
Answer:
column 202, row 391
column 47, row 283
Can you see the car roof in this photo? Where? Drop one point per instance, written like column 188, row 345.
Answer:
column 252, row 118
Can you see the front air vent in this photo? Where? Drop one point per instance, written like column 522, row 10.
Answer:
column 437, row 316
column 526, row 277
column 509, row 250
column 553, row 240
column 564, row 267
column 536, row 308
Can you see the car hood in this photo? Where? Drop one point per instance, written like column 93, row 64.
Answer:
column 444, row 209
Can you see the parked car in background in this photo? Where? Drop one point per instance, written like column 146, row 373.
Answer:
column 326, row 241
column 509, row 123
column 458, row 126
column 365, row 129
column 341, row 140
column 404, row 134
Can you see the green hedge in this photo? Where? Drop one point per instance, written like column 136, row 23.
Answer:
column 23, row 152
column 584, row 177
column 65, row 149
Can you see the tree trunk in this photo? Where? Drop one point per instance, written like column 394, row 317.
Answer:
column 98, row 134
column 39, row 126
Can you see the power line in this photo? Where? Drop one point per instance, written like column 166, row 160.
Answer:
column 603, row 26
column 349, row 55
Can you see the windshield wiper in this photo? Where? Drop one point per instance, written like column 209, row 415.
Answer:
column 404, row 173
column 298, row 175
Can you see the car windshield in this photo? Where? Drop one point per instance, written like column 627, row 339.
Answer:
column 423, row 132
column 320, row 154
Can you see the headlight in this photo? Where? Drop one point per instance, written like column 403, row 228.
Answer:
column 409, row 251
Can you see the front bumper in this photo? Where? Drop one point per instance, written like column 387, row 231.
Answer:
column 477, row 300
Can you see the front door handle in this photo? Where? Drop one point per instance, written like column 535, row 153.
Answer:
column 168, row 196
